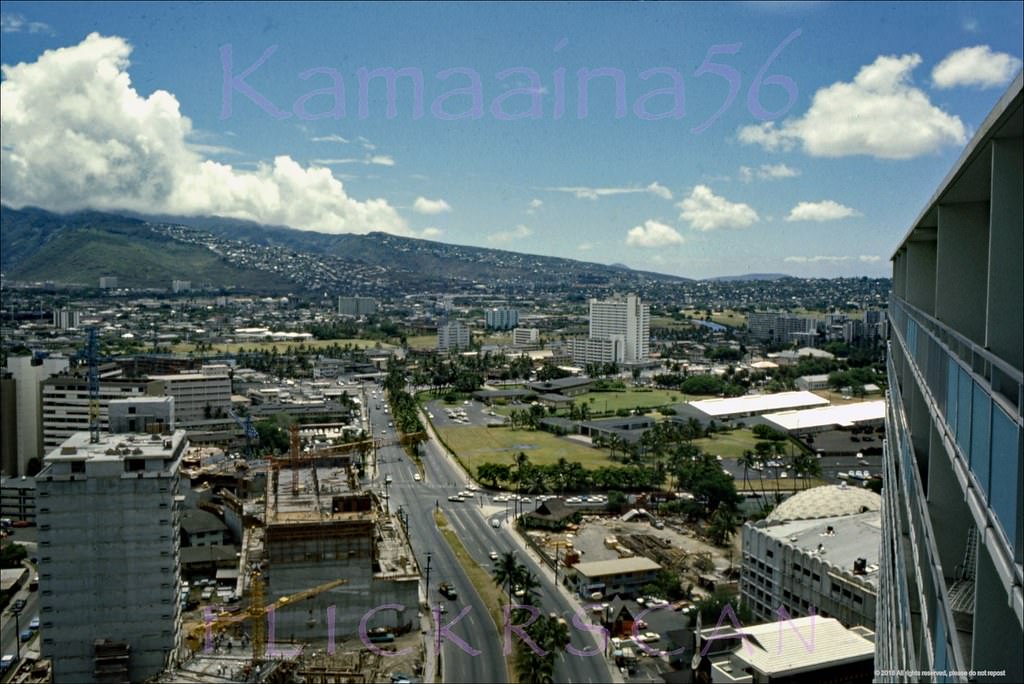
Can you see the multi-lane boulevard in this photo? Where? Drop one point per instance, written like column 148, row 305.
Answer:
column 484, row 660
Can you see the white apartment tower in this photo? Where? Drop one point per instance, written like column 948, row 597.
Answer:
column 623, row 327
column 28, row 374
column 109, row 573
column 453, row 336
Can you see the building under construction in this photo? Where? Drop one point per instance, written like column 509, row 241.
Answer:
column 320, row 526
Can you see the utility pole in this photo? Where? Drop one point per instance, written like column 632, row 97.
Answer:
column 428, row 578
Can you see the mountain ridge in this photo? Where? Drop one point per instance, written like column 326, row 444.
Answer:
column 150, row 250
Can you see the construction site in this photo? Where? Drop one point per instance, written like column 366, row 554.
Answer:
column 328, row 575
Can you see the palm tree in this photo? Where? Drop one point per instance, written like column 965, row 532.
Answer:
column 552, row 636
column 507, row 572
column 747, row 460
column 528, row 584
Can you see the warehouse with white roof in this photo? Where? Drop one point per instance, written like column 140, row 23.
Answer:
column 756, row 404
column 865, row 413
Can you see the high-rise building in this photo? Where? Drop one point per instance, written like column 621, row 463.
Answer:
column 620, row 331
column 181, row 285
column 452, row 336
column 950, row 587
column 66, row 319
column 28, row 373
column 109, row 574
column 780, row 327
column 357, row 306
column 501, row 318
column 108, row 282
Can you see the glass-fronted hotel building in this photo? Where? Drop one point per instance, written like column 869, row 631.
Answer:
column 950, row 598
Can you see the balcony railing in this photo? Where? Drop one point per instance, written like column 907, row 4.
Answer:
column 979, row 396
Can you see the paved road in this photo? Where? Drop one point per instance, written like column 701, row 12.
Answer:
column 476, row 628
column 474, row 529
column 9, row 625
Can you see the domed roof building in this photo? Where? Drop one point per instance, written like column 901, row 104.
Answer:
column 828, row 501
column 815, row 554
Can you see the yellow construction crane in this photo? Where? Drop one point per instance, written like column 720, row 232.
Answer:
column 198, row 633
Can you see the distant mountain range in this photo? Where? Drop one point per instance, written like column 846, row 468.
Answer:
column 228, row 254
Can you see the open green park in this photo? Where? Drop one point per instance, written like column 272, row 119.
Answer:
column 604, row 403
column 476, row 445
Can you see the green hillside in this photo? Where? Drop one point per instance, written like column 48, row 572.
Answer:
column 139, row 258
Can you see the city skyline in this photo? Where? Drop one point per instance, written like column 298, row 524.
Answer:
column 237, row 111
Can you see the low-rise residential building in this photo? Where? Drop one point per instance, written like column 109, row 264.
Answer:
column 625, row 576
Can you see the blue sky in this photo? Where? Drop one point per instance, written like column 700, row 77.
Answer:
column 128, row 110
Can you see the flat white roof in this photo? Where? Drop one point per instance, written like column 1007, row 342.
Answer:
column 615, row 566
column 842, row 416
column 758, row 403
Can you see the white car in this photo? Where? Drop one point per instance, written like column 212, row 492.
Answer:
column 493, row 555
column 416, row 477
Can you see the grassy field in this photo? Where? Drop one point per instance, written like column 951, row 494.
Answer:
column 281, row 347
column 609, row 402
column 476, row 445
column 480, row 577
column 424, row 342
column 728, row 444
column 727, row 317
column 631, row 398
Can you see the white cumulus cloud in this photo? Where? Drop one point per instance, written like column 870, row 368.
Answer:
column 593, row 193
column 768, row 172
column 517, row 233
column 880, row 114
column 333, row 138
column 431, row 233
column 975, row 66
column 653, row 234
column 826, row 210
column 78, row 135
column 704, row 210
column 422, row 205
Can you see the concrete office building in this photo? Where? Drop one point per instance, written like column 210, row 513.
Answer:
column 525, row 337
column 357, row 306
column 108, row 556
column 951, row 582
column 619, row 332
column 198, row 397
column 65, row 403
column 453, row 336
column 28, row 373
column 141, row 414
column 108, row 282
column 817, row 552
column 501, row 318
